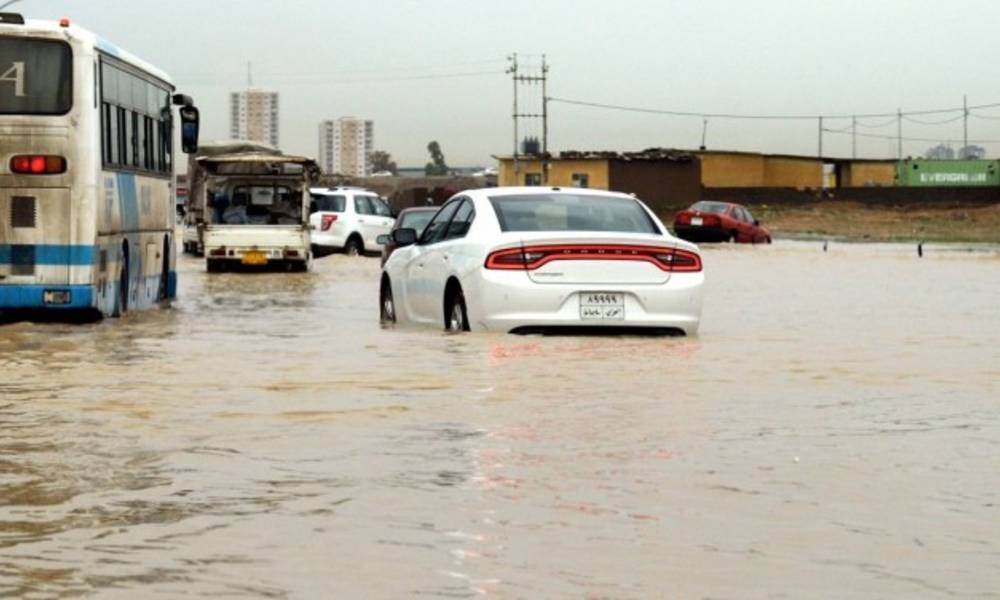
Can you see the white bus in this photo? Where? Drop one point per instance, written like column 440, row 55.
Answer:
column 86, row 171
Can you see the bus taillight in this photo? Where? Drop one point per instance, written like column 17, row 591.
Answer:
column 37, row 164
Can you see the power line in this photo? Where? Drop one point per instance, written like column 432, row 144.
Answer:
column 775, row 117
column 321, row 80
column 891, row 121
column 943, row 122
column 364, row 71
column 909, row 139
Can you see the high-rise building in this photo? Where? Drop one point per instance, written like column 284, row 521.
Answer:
column 345, row 146
column 253, row 115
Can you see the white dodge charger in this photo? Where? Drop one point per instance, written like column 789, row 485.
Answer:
column 543, row 260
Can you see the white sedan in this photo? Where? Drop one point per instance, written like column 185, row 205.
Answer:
column 538, row 260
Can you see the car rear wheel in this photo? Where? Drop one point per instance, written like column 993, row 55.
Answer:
column 353, row 247
column 456, row 315
column 732, row 236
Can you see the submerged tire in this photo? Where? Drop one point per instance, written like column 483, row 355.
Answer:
column 387, row 305
column 121, row 302
column 456, row 315
column 354, row 247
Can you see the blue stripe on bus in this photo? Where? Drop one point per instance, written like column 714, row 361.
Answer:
column 49, row 254
column 33, row 296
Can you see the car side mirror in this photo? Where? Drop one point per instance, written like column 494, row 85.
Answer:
column 404, row 236
column 756, row 222
column 383, row 240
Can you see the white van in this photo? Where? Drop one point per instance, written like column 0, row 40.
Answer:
column 348, row 219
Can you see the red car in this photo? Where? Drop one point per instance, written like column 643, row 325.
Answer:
column 709, row 221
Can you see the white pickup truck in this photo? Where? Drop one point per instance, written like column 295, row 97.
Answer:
column 253, row 209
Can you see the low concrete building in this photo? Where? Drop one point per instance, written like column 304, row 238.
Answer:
column 664, row 179
column 866, row 173
column 725, row 169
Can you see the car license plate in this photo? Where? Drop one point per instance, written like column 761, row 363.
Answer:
column 254, row 258
column 602, row 306
column 696, row 221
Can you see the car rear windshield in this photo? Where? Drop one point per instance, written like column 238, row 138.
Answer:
column 36, row 77
column 416, row 219
column 329, row 203
column 571, row 212
column 711, row 207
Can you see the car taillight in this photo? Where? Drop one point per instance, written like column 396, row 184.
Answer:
column 514, row 259
column 327, row 221
column 37, row 164
column 680, row 261
column 529, row 258
column 710, row 221
column 682, row 218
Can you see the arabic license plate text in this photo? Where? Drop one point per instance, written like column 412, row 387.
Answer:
column 696, row 221
column 602, row 306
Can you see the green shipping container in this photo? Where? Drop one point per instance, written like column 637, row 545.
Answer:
column 947, row 173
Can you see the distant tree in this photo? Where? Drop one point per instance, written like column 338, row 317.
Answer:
column 940, row 152
column 972, row 151
column 382, row 161
column 437, row 166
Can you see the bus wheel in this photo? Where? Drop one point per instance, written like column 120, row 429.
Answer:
column 121, row 302
column 162, row 293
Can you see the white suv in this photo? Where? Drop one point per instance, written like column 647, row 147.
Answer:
column 348, row 219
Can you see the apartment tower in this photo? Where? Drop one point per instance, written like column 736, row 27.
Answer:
column 253, row 115
column 345, row 146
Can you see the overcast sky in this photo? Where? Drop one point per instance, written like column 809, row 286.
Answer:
column 433, row 69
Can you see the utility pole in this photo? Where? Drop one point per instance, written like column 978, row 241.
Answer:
column 899, row 134
column 820, row 137
column 854, row 137
column 965, row 125
column 545, row 121
column 531, row 80
column 513, row 69
column 704, row 132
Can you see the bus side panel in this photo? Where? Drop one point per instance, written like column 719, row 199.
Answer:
column 135, row 232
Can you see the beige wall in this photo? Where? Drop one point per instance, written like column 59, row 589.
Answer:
column 732, row 170
column 861, row 174
column 757, row 170
column 793, row 172
column 560, row 172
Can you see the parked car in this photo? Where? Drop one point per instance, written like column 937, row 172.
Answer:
column 538, row 260
column 709, row 221
column 415, row 218
column 347, row 219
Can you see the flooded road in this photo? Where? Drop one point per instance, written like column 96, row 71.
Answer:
column 833, row 432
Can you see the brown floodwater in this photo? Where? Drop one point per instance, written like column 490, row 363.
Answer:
column 834, row 431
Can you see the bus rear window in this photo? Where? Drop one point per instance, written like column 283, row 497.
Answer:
column 36, row 77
